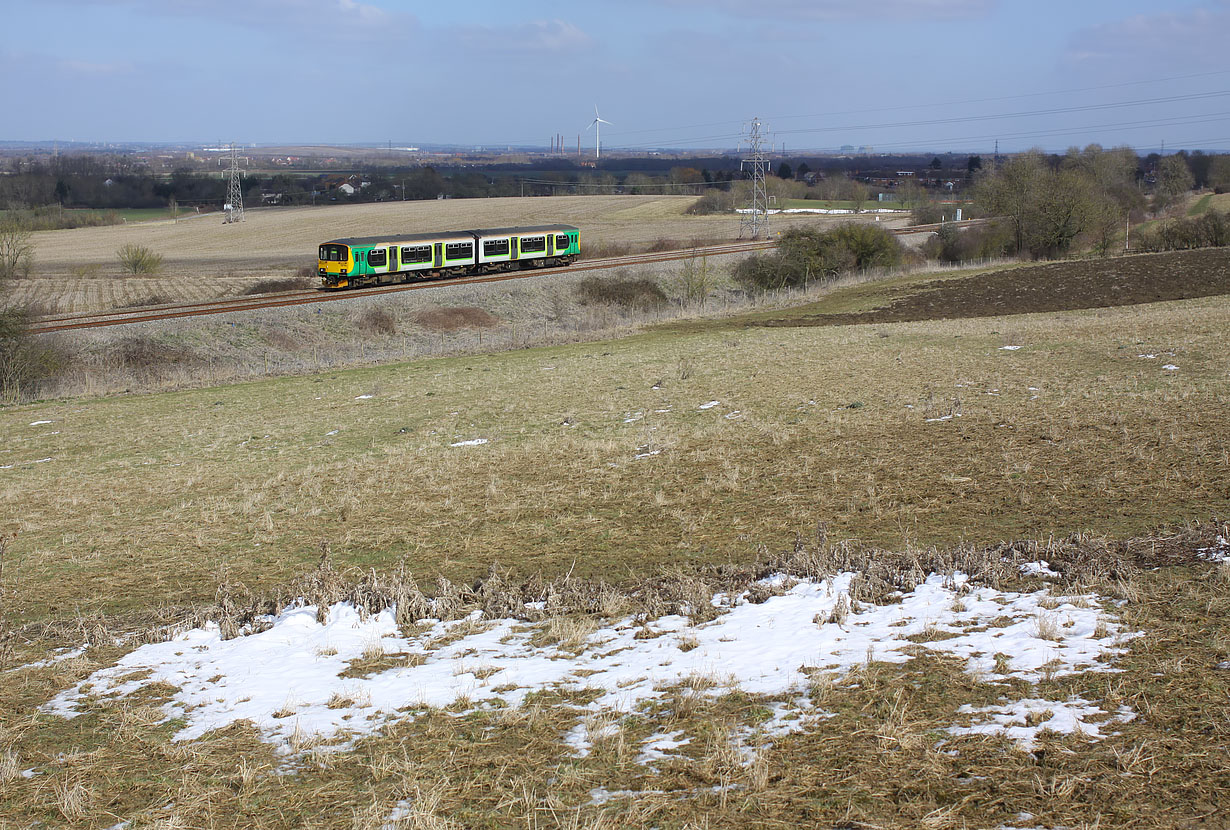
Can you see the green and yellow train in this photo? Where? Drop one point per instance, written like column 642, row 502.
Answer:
column 380, row 260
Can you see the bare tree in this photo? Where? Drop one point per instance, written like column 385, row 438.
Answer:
column 16, row 249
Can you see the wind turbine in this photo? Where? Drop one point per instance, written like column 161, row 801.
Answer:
column 597, row 123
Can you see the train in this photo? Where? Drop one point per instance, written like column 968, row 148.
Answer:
column 355, row 262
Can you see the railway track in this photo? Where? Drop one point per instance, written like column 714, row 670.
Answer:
column 120, row 317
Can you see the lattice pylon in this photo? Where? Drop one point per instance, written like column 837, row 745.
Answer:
column 234, row 192
column 755, row 220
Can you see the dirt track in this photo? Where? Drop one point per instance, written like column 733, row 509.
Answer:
column 1056, row 286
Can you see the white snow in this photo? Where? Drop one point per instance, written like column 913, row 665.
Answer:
column 1024, row 719
column 287, row 679
column 58, row 657
column 364, row 397
column 40, row 423
column 658, row 746
column 1039, row 568
column 709, row 405
column 1220, row 552
column 22, row 463
column 1170, row 367
column 473, row 442
column 1148, row 356
column 1008, row 348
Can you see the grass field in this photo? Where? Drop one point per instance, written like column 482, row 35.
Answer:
column 682, row 460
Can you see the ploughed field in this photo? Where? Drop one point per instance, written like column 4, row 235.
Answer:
column 1028, row 289
column 938, row 572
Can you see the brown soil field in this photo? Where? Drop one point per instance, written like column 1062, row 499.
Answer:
column 1054, row 286
column 77, row 270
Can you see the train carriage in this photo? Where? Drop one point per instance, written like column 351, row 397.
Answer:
column 359, row 261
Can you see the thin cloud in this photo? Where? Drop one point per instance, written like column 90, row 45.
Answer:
column 912, row 10
column 323, row 16
column 1190, row 38
column 542, row 37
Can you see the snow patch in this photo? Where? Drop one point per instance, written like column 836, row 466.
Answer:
column 1024, row 719
column 287, row 679
column 473, row 442
column 709, row 405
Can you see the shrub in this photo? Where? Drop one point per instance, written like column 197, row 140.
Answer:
column 377, row 321
column 273, row 284
column 142, row 352
column 714, row 201
column 927, row 213
column 138, row 259
column 640, row 293
column 1209, row 230
column 16, row 250
column 455, row 319
column 952, row 244
column 806, row 254
column 26, row 361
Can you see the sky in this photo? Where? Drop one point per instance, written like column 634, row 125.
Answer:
column 895, row 75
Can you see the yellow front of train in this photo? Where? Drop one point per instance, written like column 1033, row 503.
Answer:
column 335, row 265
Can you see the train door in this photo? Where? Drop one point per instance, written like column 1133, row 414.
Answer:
column 393, row 259
column 513, row 253
column 437, row 255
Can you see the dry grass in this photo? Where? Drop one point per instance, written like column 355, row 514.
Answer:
column 880, row 758
column 146, row 498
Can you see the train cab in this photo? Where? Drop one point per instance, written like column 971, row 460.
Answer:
column 335, row 265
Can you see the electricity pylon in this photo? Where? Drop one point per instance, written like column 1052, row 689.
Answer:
column 234, row 193
column 755, row 220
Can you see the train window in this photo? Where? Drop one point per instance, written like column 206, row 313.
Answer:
column 419, row 253
column 333, row 253
column 533, row 244
column 561, row 241
column 459, row 250
column 377, row 257
column 495, row 247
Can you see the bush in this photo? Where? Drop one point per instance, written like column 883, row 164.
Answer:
column 640, row 293
column 951, row 244
column 138, row 259
column 142, row 352
column 274, row 284
column 927, row 212
column 16, row 250
column 26, row 361
column 377, row 321
column 1209, row 230
column 456, row 318
column 806, row 254
column 714, row 201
